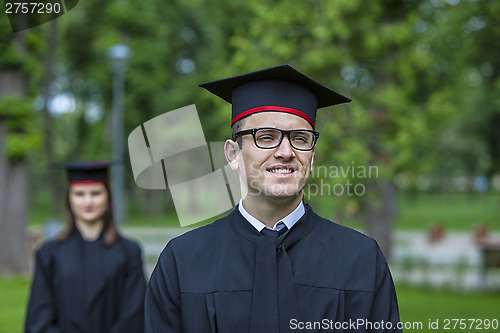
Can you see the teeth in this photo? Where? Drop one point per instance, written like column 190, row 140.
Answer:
column 281, row 171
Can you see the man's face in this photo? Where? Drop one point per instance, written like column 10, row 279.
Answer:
column 279, row 173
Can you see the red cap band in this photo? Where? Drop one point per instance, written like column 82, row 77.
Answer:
column 273, row 108
column 103, row 181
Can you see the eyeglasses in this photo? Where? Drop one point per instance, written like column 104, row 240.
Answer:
column 269, row 137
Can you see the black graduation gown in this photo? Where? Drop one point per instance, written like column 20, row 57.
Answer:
column 83, row 286
column 203, row 280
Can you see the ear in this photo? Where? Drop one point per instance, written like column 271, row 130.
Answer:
column 231, row 151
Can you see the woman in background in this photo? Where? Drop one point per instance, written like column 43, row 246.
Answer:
column 90, row 279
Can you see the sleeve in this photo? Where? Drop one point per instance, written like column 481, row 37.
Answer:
column 162, row 304
column 131, row 314
column 41, row 316
column 385, row 304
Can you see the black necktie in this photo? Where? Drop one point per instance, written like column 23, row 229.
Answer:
column 274, row 302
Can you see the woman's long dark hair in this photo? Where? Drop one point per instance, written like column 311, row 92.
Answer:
column 109, row 231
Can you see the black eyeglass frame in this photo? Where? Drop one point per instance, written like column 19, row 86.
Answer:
column 283, row 133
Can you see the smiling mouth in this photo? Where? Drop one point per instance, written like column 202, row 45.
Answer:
column 281, row 170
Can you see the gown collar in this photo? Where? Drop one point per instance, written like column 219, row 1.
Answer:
column 78, row 235
column 300, row 229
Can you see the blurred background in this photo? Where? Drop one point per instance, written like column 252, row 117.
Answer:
column 424, row 77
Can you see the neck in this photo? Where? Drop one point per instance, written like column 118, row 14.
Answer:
column 270, row 212
column 89, row 230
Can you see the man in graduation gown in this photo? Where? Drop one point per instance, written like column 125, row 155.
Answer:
column 272, row 265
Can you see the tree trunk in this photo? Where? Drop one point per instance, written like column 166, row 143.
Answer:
column 381, row 210
column 14, row 243
column 13, row 182
column 3, row 194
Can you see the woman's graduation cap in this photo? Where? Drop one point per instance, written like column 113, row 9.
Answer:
column 86, row 171
column 280, row 88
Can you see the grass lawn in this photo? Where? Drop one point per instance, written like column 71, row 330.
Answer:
column 416, row 305
column 420, row 305
column 14, row 297
column 457, row 211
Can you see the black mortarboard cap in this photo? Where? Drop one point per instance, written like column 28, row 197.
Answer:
column 86, row 171
column 280, row 88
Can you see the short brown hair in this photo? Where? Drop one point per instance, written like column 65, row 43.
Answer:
column 237, row 126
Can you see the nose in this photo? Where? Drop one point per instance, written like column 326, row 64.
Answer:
column 87, row 199
column 284, row 150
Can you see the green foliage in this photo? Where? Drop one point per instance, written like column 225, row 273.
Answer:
column 20, row 145
column 412, row 70
column 17, row 53
column 10, row 56
column 22, row 137
column 15, row 108
column 422, row 74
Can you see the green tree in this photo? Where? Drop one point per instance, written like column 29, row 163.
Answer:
column 480, row 78
column 173, row 48
column 18, row 138
column 374, row 53
column 408, row 66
